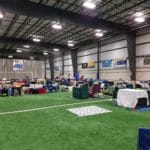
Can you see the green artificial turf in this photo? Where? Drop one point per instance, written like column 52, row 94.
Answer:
column 58, row 129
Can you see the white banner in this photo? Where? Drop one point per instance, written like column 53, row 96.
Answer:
column 17, row 65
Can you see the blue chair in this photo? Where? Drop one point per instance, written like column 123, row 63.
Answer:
column 144, row 139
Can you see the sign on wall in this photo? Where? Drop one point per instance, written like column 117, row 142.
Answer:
column 17, row 65
column 147, row 61
column 90, row 64
column 120, row 63
column 106, row 63
column 84, row 65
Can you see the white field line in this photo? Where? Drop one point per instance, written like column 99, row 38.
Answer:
column 49, row 107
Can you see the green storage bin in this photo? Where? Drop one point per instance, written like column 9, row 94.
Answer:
column 81, row 93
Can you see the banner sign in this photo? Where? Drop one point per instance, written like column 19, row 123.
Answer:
column 106, row 63
column 85, row 65
column 120, row 63
column 147, row 61
column 90, row 64
column 17, row 65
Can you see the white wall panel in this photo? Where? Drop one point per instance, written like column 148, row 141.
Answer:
column 68, row 68
column 87, row 52
column 143, row 74
column 143, row 49
column 143, row 39
column 86, row 59
column 88, row 74
column 58, row 59
column 68, row 62
column 115, row 74
column 121, row 53
column 67, row 57
column 115, row 45
column 58, row 63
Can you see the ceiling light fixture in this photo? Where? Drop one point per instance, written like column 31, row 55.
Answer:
column 1, row 15
column 56, row 50
column 99, row 34
column 31, row 57
column 45, row 53
column 98, row 30
column 57, row 26
column 19, row 50
column 90, row 4
column 10, row 56
column 139, row 19
column 139, row 14
column 70, row 43
column 26, row 46
column 36, row 40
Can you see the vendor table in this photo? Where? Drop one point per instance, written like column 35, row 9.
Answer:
column 129, row 97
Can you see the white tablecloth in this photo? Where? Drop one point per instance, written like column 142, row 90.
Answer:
column 129, row 97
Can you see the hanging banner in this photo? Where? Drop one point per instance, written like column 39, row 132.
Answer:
column 147, row 61
column 84, row 65
column 90, row 64
column 106, row 63
column 17, row 65
column 120, row 63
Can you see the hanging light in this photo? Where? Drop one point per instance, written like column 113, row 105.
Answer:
column 10, row 56
column 90, row 4
column 57, row 26
column 36, row 40
column 1, row 15
column 31, row 57
column 45, row 53
column 70, row 43
column 139, row 19
column 98, row 30
column 139, row 14
column 56, row 50
column 26, row 46
column 99, row 34
column 19, row 50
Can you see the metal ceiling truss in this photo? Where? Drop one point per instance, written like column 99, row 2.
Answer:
column 51, row 13
column 23, row 41
column 79, row 23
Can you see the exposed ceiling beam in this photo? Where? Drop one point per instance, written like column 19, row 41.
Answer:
column 30, row 42
column 31, row 9
column 24, row 55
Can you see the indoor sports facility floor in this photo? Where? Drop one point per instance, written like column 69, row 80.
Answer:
column 53, row 127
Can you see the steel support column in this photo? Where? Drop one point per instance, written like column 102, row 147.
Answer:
column 98, row 60
column 45, row 75
column 51, row 64
column 131, row 46
column 74, row 60
column 63, row 63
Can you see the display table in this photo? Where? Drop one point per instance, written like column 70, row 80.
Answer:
column 129, row 97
